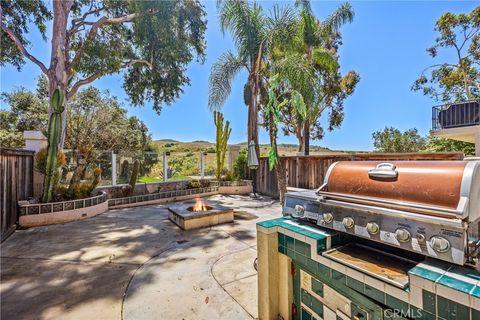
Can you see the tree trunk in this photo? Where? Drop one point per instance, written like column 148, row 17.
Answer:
column 253, row 119
column 299, row 134
column 279, row 170
column 281, row 181
column 306, row 138
column 58, row 69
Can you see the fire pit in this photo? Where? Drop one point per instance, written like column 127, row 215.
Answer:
column 188, row 215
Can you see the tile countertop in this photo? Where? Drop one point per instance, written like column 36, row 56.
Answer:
column 440, row 290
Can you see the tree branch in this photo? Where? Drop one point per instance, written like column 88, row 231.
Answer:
column 82, row 82
column 97, row 25
column 22, row 49
column 131, row 62
column 78, row 22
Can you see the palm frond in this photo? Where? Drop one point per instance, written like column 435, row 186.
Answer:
column 282, row 27
column 221, row 76
column 304, row 5
column 245, row 22
column 325, row 59
column 298, row 72
column 343, row 15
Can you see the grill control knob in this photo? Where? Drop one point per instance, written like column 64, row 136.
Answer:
column 328, row 217
column 373, row 228
column 402, row 234
column 421, row 238
column 348, row 222
column 439, row 244
column 299, row 211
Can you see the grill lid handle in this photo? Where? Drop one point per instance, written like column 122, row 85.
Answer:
column 383, row 171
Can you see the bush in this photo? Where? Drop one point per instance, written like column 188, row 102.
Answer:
column 211, row 150
column 229, row 176
column 240, row 165
column 41, row 160
column 194, row 184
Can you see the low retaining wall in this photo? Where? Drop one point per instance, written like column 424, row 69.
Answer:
column 161, row 197
column 114, row 192
column 32, row 215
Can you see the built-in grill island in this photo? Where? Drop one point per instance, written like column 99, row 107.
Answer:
column 431, row 208
column 378, row 240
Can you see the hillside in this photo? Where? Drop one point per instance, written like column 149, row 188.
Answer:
column 199, row 145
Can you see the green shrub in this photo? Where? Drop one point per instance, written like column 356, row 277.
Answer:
column 194, row 184
column 240, row 165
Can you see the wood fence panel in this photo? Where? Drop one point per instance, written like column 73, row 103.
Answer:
column 16, row 183
column 308, row 172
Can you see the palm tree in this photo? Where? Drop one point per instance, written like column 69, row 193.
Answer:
column 316, row 46
column 252, row 33
column 246, row 23
column 292, row 77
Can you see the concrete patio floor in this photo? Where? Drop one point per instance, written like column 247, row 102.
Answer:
column 135, row 264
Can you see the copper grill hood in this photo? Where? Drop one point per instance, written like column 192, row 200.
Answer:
column 449, row 189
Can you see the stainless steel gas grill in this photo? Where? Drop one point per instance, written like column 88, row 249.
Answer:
column 427, row 207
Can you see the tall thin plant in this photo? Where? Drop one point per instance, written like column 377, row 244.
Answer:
column 54, row 135
column 221, row 142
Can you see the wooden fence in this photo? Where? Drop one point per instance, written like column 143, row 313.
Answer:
column 307, row 172
column 16, row 174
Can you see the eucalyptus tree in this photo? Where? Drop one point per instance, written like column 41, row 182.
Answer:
column 458, row 78
column 151, row 41
column 323, row 87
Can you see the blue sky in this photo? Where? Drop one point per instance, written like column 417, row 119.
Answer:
column 385, row 43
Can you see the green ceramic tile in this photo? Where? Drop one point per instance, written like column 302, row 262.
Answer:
column 476, row 292
column 281, row 239
column 358, row 313
column 299, row 246
column 323, row 270
column 282, row 249
column 290, row 253
column 321, row 246
column 425, row 273
column 306, row 298
column 300, row 258
column 290, row 243
column 473, row 274
column 429, row 301
column 355, row 284
column 451, row 310
column 311, row 265
column 317, row 307
column 396, row 304
column 338, row 276
column 374, row 293
column 417, row 313
column 268, row 223
column 475, row 314
column 317, row 287
column 306, row 315
column 308, row 250
column 456, row 284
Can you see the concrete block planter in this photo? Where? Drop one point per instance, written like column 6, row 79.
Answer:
column 32, row 215
column 235, row 187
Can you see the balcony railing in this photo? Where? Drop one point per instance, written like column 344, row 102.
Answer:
column 456, row 115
